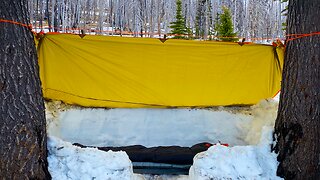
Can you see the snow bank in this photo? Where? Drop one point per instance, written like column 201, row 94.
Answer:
column 238, row 162
column 150, row 127
column 68, row 162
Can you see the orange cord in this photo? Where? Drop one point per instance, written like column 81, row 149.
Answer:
column 298, row 36
column 290, row 37
column 29, row 26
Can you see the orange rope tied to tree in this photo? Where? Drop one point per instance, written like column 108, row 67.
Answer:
column 29, row 26
column 290, row 37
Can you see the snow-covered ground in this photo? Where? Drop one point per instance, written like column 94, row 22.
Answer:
column 247, row 129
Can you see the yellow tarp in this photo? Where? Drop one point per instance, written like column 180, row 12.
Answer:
column 101, row 71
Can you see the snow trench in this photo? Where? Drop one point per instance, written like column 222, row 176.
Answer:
column 248, row 130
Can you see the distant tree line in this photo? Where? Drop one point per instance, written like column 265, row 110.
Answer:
column 251, row 18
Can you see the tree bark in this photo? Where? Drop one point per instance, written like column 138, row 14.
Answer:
column 23, row 153
column 297, row 128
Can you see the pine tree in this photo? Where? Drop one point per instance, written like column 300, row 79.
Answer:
column 178, row 27
column 224, row 27
column 23, row 137
column 297, row 128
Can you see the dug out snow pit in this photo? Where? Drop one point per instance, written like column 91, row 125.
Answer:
column 159, row 127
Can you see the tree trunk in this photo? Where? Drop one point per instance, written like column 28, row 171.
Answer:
column 23, row 153
column 297, row 128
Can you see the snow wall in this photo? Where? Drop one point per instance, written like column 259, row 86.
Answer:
column 160, row 127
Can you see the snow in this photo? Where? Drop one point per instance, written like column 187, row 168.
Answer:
column 277, row 97
column 70, row 162
column 247, row 129
column 150, row 127
column 160, row 127
column 264, row 115
column 238, row 162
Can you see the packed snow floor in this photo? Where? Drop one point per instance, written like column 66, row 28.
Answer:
column 248, row 130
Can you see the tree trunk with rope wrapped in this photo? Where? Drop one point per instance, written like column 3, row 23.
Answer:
column 297, row 128
column 23, row 153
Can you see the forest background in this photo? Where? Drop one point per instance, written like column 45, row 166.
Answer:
column 258, row 21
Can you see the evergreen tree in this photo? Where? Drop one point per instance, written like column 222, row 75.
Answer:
column 178, row 27
column 297, row 127
column 23, row 136
column 224, row 27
